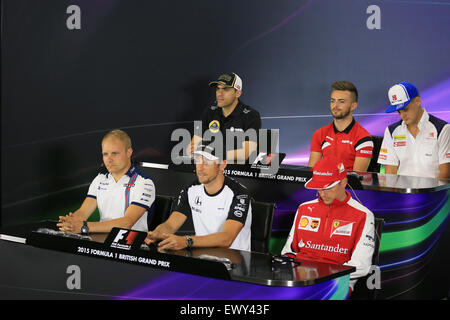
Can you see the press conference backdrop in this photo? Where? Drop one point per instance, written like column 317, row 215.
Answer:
column 73, row 70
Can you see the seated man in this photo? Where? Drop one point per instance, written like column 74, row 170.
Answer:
column 219, row 206
column 344, row 138
column 417, row 145
column 231, row 116
column 333, row 228
column 123, row 194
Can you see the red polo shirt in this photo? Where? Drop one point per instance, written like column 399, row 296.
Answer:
column 353, row 142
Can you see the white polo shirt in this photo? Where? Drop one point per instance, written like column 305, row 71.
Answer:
column 420, row 156
column 209, row 212
column 113, row 198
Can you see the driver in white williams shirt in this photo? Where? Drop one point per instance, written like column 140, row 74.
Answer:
column 124, row 195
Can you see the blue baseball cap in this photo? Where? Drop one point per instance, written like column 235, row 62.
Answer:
column 400, row 95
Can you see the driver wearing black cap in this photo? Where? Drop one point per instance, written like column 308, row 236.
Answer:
column 230, row 117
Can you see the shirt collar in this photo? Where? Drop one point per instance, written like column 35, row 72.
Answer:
column 338, row 203
column 422, row 122
column 346, row 130
column 237, row 110
column 129, row 173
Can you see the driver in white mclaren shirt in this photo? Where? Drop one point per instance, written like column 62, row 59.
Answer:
column 219, row 206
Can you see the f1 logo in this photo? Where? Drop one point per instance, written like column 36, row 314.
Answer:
column 120, row 235
column 125, row 239
column 129, row 239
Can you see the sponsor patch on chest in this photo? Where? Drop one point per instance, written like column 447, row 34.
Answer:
column 341, row 228
column 309, row 223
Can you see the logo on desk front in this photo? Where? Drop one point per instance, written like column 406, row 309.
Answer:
column 125, row 239
column 263, row 160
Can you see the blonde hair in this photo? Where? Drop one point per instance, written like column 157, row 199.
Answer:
column 121, row 135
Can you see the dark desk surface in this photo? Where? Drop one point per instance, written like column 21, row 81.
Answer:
column 250, row 267
column 300, row 174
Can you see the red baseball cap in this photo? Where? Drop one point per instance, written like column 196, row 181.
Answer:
column 327, row 173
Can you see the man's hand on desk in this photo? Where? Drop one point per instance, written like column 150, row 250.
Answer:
column 172, row 242
column 167, row 241
column 68, row 223
column 153, row 237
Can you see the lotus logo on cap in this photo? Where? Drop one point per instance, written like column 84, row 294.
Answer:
column 225, row 78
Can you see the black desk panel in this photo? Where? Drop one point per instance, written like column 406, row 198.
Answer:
column 50, row 266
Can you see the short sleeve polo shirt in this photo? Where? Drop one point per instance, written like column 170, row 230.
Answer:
column 113, row 198
column 209, row 212
column 353, row 142
column 419, row 156
column 241, row 119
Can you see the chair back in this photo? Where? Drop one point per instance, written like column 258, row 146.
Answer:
column 374, row 166
column 379, row 223
column 162, row 210
column 262, row 218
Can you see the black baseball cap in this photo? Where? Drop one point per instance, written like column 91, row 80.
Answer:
column 231, row 80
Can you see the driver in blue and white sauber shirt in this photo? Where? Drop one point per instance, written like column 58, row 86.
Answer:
column 124, row 195
column 333, row 228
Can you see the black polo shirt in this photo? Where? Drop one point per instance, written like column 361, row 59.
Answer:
column 241, row 119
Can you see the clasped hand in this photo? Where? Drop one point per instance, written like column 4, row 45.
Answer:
column 68, row 223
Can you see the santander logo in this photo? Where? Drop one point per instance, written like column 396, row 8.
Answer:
column 322, row 247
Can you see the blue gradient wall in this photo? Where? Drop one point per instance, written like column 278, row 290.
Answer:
column 144, row 66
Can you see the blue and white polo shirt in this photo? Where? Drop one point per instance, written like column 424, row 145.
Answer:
column 419, row 156
column 113, row 198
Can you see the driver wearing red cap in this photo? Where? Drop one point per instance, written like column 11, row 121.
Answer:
column 333, row 228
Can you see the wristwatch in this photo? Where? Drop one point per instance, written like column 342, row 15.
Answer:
column 84, row 228
column 189, row 242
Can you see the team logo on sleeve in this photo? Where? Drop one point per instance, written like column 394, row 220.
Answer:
column 341, row 227
column 309, row 223
column 383, row 154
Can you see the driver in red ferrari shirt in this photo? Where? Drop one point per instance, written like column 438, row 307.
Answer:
column 333, row 228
